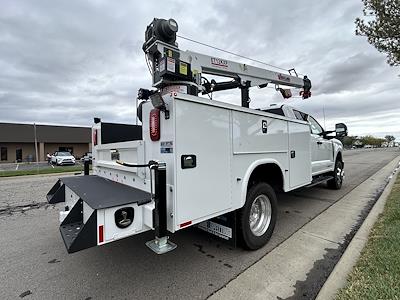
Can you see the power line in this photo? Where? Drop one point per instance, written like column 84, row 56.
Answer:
column 232, row 53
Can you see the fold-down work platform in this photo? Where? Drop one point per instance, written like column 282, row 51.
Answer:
column 98, row 210
column 99, row 192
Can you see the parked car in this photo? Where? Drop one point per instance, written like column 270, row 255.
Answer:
column 62, row 158
column 87, row 156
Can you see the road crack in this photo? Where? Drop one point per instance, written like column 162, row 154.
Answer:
column 9, row 210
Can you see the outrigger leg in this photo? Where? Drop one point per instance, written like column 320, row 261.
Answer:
column 161, row 244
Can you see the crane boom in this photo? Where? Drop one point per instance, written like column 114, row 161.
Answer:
column 172, row 66
column 206, row 64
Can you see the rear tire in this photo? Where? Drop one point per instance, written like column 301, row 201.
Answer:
column 257, row 218
column 336, row 182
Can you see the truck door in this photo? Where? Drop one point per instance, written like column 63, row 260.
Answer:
column 321, row 149
column 299, row 158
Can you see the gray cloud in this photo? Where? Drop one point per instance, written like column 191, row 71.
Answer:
column 351, row 73
column 65, row 62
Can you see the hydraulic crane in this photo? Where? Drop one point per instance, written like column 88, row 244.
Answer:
column 171, row 66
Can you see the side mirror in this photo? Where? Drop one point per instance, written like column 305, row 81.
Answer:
column 341, row 130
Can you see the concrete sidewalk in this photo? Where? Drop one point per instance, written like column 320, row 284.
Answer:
column 337, row 279
column 298, row 268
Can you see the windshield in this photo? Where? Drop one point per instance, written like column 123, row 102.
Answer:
column 64, row 154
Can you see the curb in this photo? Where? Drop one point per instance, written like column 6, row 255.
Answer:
column 43, row 175
column 338, row 278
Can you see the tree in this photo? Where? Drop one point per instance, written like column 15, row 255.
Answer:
column 371, row 140
column 348, row 141
column 389, row 138
column 382, row 28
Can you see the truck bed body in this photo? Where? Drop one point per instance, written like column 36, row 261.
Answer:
column 228, row 141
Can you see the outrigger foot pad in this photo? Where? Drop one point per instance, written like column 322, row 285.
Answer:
column 161, row 245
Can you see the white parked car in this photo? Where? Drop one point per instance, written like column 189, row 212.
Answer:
column 62, row 158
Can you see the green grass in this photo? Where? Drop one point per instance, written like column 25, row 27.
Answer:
column 47, row 170
column 377, row 272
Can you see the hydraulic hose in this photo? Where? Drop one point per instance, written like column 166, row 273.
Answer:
column 130, row 165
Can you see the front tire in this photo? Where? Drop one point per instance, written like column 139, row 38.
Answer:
column 257, row 218
column 337, row 181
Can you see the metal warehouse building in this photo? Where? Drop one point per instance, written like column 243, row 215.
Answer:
column 17, row 141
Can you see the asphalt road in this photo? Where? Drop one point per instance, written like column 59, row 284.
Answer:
column 35, row 265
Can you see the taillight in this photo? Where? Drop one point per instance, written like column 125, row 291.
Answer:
column 101, row 234
column 95, row 137
column 155, row 124
column 185, row 224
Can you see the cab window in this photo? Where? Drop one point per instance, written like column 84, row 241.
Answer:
column 299, row 115
column 315, row 127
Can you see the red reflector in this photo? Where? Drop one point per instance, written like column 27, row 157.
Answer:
column 185, row 224
column 101, row 233
column 95, row 137
column 155, row 124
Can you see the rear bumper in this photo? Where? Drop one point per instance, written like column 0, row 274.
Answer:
column 91, row 206
column 65, row 163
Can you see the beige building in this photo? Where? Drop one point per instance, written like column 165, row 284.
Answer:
column 17, row 141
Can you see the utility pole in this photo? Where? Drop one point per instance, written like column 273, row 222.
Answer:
column 323, row 111
column 36, row 149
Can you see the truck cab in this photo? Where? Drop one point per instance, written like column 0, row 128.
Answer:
column 326, row 150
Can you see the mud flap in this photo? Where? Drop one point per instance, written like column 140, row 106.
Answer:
column 223, row 227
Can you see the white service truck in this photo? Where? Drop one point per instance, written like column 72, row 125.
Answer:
column 195, row 160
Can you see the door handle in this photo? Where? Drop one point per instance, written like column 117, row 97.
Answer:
column 319, row 143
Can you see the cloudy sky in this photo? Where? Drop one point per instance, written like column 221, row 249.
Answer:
column 63, row 62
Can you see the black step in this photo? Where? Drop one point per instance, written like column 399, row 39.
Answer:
column 70, row 232
column 320, row 179
column 78, row 236
column 56, row 193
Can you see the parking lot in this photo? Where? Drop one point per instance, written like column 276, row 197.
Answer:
column 35, row 264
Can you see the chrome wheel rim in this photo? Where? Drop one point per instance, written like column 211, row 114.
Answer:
column 260, row 215
column 339, row 174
